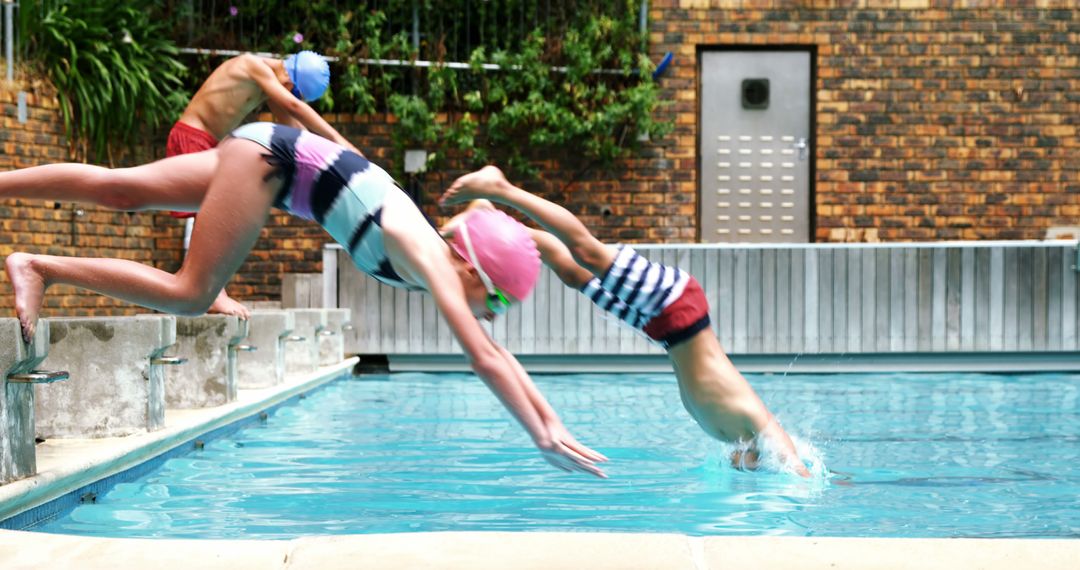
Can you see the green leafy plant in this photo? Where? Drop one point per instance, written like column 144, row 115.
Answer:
column 571, row 76
column 114, row 72
column 584, row 89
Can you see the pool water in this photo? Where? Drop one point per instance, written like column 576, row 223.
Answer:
column 906, row 456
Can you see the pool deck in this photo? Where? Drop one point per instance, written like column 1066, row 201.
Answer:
column 535, row 551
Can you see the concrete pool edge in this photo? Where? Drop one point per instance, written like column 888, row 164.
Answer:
column 65, row 466
column 1063, row 362
column 536, row 550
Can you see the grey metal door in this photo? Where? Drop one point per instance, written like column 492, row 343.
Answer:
column 755, row 146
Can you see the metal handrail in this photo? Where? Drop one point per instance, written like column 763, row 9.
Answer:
column 168, row 360
column 38, row 377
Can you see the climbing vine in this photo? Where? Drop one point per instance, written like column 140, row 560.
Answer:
column 588, row 91
column 541, row 77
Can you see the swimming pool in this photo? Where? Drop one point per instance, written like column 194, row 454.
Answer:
column 911, row 455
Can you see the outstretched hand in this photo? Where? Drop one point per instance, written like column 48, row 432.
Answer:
column 568, row 454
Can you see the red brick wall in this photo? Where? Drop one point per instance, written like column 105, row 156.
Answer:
column 921, row 131
column 47, row 227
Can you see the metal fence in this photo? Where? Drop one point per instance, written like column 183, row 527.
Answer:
column 440, row 29
column 9, row 32
column 980, row 297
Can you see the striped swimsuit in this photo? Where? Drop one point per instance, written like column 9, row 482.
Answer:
column 337, row 188
column 664, row 302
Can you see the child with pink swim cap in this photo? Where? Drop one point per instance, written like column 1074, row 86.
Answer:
column 501, row 251
column 664, row 302
column 490, row 264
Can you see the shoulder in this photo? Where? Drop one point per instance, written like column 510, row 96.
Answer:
column 409, row 237
column 252, row 64
column 246, row 66
column 246, row 59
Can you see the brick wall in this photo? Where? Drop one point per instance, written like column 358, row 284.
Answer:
column 935, row 120
column 41, row 226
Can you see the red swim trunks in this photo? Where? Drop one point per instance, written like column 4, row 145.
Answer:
column 682, row 319
column 186, row 139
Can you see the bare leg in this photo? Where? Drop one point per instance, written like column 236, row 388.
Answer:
column 489, row 182
column 223, row 304
column 176, row 183
column 234, row 211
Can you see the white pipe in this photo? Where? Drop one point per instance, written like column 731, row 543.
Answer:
column 388, row 62
column 9, row 39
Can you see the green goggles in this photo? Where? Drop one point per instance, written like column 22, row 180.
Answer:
column 497, row 302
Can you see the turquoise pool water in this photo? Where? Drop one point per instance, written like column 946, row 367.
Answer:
column 910, row 455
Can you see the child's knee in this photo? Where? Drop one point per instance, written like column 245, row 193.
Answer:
column 193, row 305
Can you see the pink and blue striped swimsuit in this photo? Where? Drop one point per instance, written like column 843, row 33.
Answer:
column 339, row 189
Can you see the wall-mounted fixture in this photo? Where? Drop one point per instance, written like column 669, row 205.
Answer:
column 755, row 94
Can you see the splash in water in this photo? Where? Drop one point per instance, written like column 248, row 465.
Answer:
column 766, row 458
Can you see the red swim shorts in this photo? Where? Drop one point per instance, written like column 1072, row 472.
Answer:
column 682, row 319
column 186, row 139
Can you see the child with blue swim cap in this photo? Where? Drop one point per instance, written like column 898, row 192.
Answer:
column 309, row 73
column 241, row 85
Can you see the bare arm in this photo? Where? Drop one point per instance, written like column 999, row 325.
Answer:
column 490, row 183
column 504, row 376
column 555, row 255
column 553, row 252
column 548, row 414
column 284, row 105
column 282, row 117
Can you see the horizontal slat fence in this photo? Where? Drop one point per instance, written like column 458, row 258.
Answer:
column 783, row 299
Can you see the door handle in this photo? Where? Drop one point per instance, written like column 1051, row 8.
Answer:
column 802, row 147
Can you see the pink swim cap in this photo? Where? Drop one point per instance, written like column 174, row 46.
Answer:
column 504, row 249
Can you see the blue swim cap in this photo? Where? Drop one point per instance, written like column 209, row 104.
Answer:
column 309, row 73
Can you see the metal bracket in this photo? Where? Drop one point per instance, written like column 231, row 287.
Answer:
column 327, row 332
column 295, row 338
column 244, row 347
column 37, row 377
column 170, row 360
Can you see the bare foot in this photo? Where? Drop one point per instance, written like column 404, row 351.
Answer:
column 226, row 305
column 29, row 288
column 488, row 182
